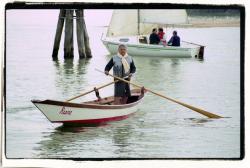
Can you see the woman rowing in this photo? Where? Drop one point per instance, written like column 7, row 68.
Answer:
column 123, row 67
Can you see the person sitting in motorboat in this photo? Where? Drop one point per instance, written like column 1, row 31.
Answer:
column 175, row 40
column 123, row 67
column 162, row 36
column 154, row 38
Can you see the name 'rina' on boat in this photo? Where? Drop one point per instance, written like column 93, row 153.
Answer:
column 132, row 27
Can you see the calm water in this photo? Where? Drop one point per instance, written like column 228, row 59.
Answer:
column 160, row 128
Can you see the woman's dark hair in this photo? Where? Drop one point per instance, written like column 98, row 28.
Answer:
column 160, row 29
column 154, row 29
column 175, row 32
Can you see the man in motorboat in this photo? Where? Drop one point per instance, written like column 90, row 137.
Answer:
column 123, row 67
column 175, row 40
column 154, row 38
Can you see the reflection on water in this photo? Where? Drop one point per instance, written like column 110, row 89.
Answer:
column 155, row 62
column 56, row 143
column 70, row 74
column 65, row 138
column 70, row 67
column 61, row 139
column 175, row 61
column 121, row 135
column 73, row 129
column 198, row 121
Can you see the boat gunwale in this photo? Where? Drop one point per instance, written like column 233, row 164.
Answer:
column 150, row 46
column 86, row 105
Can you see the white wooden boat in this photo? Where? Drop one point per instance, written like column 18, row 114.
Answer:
column 91, row 112
column 137, row 49
column 132, row 27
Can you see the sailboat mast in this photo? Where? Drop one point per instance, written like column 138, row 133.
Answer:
column 138, row 21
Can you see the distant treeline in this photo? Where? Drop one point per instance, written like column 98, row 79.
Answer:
column 213, row 12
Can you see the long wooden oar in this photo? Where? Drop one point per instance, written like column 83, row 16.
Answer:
column 203, row 112
column 82, row 94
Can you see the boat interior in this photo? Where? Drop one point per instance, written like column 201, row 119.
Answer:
column 143, row 39
column 135, row 96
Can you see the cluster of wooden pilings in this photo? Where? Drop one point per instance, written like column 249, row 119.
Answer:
column 68, row 16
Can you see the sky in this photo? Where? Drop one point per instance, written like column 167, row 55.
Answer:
column 93, row 17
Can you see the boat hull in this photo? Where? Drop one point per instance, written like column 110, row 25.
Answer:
column 66, row 114
column 85, row 113
column 153, row 50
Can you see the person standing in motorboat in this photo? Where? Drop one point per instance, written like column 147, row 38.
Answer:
column 162, row 36
column 123, row 67
column 175, row 40
column 154, row 38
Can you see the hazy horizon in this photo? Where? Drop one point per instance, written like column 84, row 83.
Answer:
column 46, row 17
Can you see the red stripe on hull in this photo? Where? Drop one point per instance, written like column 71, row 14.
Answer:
column 95, row 121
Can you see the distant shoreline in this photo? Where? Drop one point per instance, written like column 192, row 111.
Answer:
column 214, row 22
column 205, row 24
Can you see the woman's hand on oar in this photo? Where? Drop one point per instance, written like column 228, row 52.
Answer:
column 203, row 112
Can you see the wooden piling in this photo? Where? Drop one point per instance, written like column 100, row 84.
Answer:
column 201, row 52
column 68, row 40
column 58, row 33
column 86, row 40
column 80, row 33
